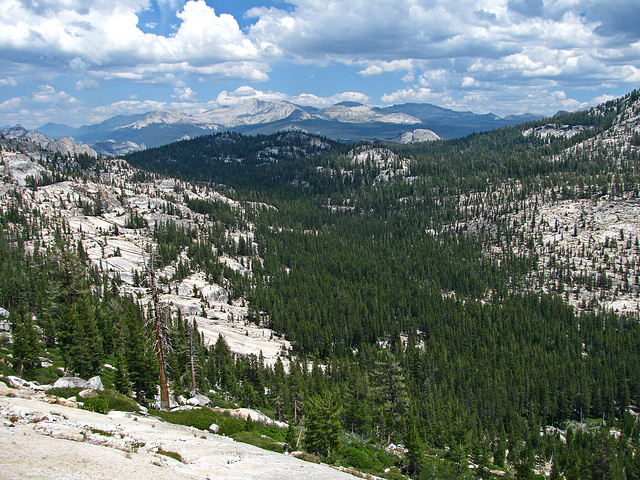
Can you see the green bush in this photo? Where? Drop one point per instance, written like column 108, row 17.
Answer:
column 359, row 458
column 64, row 392
column 97, row 404
column 170, row 454
column 254, row 438
column 200, row 418
column 276, row 433
column 118, row 401
column 231, row 425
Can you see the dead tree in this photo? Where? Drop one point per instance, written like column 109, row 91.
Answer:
column 160, row 328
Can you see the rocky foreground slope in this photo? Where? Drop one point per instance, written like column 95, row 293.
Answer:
column 45, row 440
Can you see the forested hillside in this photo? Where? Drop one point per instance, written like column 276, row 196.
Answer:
column 474, row 301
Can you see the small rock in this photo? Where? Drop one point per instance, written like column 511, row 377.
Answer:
column 88, row 393
column 214, row 428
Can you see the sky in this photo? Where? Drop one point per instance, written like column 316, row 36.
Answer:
column 80, row 62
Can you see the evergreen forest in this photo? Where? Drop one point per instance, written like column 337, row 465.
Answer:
column 423, row 307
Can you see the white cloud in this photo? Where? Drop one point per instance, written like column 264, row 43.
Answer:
column 184, row 93
column 421, row 94
column 8, row 82
column 603, row 99
column 92, row 35
column 380, row 67
column 48, row 94
column 11, row 104
column 458, row 54
column 468, row 82
column 87, row 84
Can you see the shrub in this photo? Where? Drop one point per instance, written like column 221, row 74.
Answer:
column 358, row 458
column 118, row 401
column 64, row 392
column 254, row 438
column 167, row 453
column 276, row 433
column 202, row 418
column 97, row 404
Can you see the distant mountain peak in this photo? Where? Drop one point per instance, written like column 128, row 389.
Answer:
column 347, row 121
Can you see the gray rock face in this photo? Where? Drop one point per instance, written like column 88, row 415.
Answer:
column 5, row 326
column 95, row 383
column 70, row 382
column 199, row 401
column 17, row 382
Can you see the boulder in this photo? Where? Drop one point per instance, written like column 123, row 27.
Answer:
column 157, row 404
column 215, row 293
column 4, row 389
column 199, row 401
column 71, row 382
column 214, row 428
column 95, row 383
column 17, row 382
column 181, row 400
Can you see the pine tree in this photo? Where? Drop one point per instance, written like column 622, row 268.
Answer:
column 322, row 434
column 26, row 345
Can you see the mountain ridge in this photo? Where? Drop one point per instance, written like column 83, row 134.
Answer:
column 345, row 121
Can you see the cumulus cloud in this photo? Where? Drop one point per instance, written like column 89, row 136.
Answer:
column 87, row 84
column 10, row 104
column 92, row 35
column 457, row 54
column 380, row 67
column 184, row 93
column 8, row 82
column 500, row 101
column 48, row 94
column 529, row 43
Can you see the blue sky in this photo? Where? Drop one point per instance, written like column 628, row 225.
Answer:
column 83, row 61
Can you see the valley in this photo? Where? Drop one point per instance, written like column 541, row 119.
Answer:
column 463, row 308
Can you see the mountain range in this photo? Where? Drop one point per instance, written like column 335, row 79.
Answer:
column 347, row 121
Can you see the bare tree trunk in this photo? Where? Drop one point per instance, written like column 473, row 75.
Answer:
column 164, row 387
column 191, row 359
